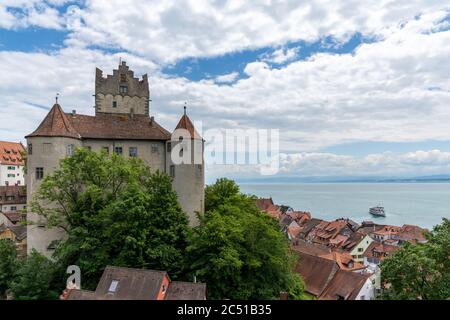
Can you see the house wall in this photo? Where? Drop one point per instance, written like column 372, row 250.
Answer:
column 367, row 291
column 10, row 207
column 360, row 248
column 155, row 160
column 47, row 152
column 18, row 173
column 189, row 180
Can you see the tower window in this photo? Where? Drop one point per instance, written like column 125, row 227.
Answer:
column 123, row 89
column 172, row 171
column 39, row 173
column 154, row 148
column 69, row 149
column 169, row 146
column 133, row 152
column 118, row 150
column 30, row 149
column 114, row 104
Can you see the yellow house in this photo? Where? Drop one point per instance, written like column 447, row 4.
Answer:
column 360, row 248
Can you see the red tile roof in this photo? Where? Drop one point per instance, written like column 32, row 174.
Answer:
column 11, row 153
column 263, row 203
column 186, row 123
column 379, row 250
column 344, row 285
column 55, row 124
column 102, row 126
column 316, row 272
column 17, row 193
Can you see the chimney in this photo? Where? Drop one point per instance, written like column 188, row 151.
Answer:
column 283, row 295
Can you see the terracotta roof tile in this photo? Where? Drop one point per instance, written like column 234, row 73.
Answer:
column 344, row 285
column 102, row 126
column 11, row 153
column 55, row 124
column 186, row 123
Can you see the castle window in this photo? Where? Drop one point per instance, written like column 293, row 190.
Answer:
column 13, row 208
column 133, row 152
column 118, row 150
column 30, row 149
column 155, row 148
column 11, row 168
column 123, row 89
column 114, row 104
column 39, row 173
column 169, row 146
column 11, row 175
column 172, row 171
column 69, row 150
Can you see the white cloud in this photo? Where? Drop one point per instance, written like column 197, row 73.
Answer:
column 282, row 55
column 387, row 164
column 173, row 29
column 378, row 93
column 17, row 14
column 227, row 78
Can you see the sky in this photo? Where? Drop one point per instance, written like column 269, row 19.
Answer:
column 355, row 88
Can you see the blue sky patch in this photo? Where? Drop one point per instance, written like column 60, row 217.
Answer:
column 209, row 68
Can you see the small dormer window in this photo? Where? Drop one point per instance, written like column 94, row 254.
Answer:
column 113, row 286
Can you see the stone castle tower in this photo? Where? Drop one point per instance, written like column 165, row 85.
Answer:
column 122, row 124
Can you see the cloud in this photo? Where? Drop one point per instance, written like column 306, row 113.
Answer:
column 166, row 31
column 18, row 14
column 282, row 55
column 386, row 164
column 227, row 78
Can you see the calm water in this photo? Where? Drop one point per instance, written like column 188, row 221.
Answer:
column 422, row 204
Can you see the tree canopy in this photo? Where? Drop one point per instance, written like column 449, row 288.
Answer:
column 239, row 251
column 8, row 256
column 420, row 271
column 115, row 212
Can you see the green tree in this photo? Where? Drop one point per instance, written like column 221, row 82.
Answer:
column 115, row 211
column 239, row 251
column 35, row 279
column 420, row 271
column 8, row 255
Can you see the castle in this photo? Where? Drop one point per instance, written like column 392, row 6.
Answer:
column 122, row 124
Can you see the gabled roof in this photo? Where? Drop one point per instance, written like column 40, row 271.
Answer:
column 102, row 126
column 376, row 247
column 264, row 203
column 55, row 124
column 316, row 272
column 11, row 153
column 133, row 284
column 344, row 285
column 179, row 290
column 13, row 216
column 19, row 194
column 309, row 248
column 186, row 124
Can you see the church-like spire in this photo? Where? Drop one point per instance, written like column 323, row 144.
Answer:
column 55, row 124
column 186, row 123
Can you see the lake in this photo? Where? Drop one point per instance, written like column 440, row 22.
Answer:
column 422, row 204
